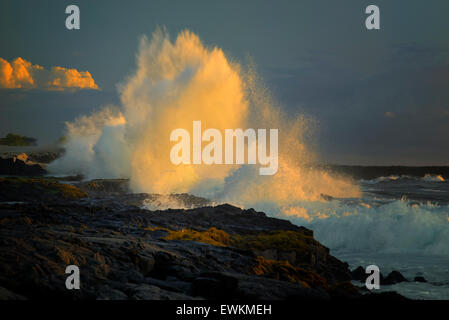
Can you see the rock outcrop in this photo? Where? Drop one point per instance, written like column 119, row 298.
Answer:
column 19, row 165
column 126, row 252
column 393, row 277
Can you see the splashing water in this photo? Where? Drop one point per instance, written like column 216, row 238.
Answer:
column 179, row 82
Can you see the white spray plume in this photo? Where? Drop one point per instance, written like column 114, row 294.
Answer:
column 176, row 83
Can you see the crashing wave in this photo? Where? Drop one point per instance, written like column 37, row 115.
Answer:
column 400, row 226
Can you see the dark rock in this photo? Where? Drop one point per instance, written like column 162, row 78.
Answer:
column 108, row 293
column 146, row 292
column 37, row 190
column 14, row 166
column 121, row 255
column 332, row 268
column 170, row 285
column 420, row 279
column 344, row 290
column 326, row 197
column 8, row 295
column 260, row 288
column 393, row 278
column 150, row 292
column 253, row 213
column 207, row 287
column 382, row 296
column 134, row 276
column 215, row 285
column 359, row 274
column 105, row 186
column 145, row 263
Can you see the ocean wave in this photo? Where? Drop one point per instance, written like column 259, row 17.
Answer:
column 433, row 178
column 396, row 227
column 427, row 178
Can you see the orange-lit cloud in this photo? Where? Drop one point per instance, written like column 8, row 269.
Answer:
column 21, row 73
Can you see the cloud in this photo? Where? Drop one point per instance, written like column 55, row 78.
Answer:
column 21, row 73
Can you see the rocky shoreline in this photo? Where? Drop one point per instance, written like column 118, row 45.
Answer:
column 127, row 252
column 133, row 246
column 15, row 162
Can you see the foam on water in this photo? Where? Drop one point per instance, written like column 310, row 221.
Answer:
column 362, row 226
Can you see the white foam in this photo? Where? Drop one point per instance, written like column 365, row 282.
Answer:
column 398, row 226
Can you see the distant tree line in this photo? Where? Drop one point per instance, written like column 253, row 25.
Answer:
column 12, row 139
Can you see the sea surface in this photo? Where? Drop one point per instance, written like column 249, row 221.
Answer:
column 400, row 223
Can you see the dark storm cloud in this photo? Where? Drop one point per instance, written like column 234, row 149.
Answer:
column 402, row 111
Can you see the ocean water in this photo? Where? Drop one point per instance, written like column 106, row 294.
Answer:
column 400, row 223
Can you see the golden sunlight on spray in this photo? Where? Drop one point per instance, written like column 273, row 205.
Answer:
column 175, row 84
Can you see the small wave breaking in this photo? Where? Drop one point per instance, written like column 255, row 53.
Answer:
column 427, row 178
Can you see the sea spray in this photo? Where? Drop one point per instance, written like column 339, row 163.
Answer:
column 175, row 84
column 178, row 82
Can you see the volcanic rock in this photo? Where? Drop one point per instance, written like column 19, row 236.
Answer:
column 125, row 251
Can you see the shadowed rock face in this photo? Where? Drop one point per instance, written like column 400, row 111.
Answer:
column 31, row 163
column 16, row 166
column 125, row 252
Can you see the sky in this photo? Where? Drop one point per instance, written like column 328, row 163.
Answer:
column 378, row 97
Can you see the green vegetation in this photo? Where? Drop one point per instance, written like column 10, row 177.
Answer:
column 283, row 270
column 279, row 240
column 211, row 236
column 12, row 139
